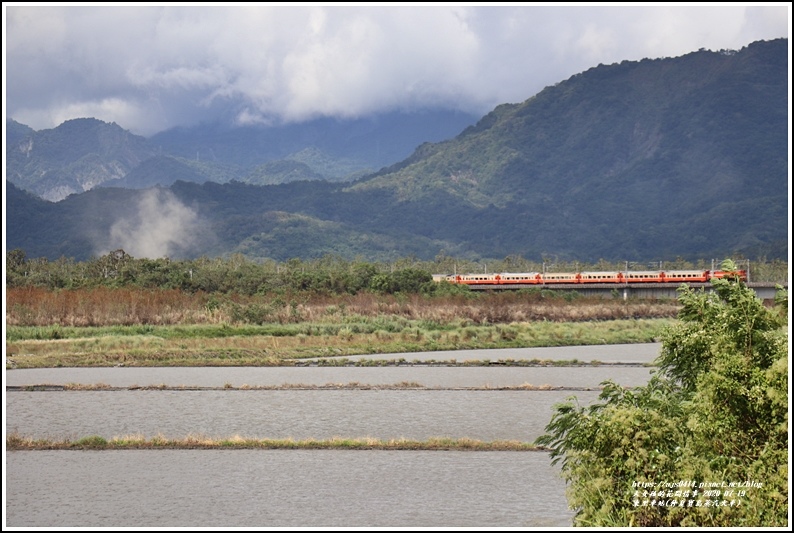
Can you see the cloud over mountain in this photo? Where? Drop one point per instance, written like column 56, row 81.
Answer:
column 149, row 68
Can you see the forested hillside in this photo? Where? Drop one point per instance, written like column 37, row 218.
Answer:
column 661, row 151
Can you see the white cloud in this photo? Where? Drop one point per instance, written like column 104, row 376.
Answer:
column 152, row 67
column 129, row 114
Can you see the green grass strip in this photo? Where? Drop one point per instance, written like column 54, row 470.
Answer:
column 16, row 442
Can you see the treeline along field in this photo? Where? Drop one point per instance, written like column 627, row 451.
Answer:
column 327, row 275
column 118, row 290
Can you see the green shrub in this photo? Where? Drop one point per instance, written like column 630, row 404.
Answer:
column 715, row 414
column 93, row 441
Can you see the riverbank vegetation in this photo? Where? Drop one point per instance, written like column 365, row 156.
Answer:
column 705, row 442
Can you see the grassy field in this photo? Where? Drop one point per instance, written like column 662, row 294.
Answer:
column 121, row 327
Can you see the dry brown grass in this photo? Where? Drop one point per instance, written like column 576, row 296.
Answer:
column 172, row 328
column 30, row 306
column 107, row 307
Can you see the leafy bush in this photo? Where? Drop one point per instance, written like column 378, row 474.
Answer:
column 705, row 442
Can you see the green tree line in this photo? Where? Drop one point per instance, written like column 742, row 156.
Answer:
column 326, row 275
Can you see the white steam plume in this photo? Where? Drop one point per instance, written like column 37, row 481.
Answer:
column 161, row 227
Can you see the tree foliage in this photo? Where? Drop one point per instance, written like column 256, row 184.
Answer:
column 236, row 274
column 715, row 413
column 328, row 274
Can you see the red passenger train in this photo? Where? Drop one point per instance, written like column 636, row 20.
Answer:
column 553, row 278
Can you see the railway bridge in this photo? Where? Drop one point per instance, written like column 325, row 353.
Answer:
column 764, row 290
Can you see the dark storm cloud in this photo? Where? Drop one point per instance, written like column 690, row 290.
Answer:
column 150, row 68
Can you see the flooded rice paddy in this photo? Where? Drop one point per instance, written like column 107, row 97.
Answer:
column 302, row 488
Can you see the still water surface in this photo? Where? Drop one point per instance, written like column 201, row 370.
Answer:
column 298, row 488
column 283, row 488
column 607, row 353
column 281, row 414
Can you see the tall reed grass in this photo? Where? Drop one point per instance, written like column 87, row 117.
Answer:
column 123, row 327
column 103, row 307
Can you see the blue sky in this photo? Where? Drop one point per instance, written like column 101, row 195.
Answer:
column 152, row 67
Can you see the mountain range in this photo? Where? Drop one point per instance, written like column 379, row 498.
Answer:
column 654, row 159
column 84, row 153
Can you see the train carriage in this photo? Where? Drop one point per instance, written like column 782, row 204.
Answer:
column 602, row 277
column 679, row 276
column 531, row 278
column 627, row 277
column 560, row 277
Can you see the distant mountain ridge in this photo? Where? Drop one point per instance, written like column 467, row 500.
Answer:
column 74, row 157
column 653, row 159
column 720, row 115
column 84, row 153
column 370, row 142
